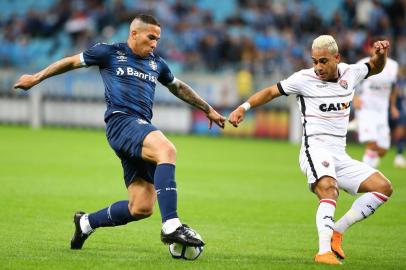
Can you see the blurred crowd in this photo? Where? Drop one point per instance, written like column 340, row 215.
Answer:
column 256, row 35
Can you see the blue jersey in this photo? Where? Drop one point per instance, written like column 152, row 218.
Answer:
column 129, row 79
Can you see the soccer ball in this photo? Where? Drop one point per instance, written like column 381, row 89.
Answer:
column 179, row 251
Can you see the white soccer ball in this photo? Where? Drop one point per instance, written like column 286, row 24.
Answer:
column 179, row 251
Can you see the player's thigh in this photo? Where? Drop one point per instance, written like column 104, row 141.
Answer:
column 126, row 133
column 351, row 173
column 141, row 196
column 316, row 163
column 157, row 148
column 376, row 182
column 134, row 168
column 383, row 140
column 367, row 126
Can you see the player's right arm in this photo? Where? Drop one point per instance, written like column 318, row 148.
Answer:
column 260, row 98
column 27, row 81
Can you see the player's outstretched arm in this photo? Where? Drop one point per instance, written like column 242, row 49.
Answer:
column 258, row 99
column 187, row 94
column 378, row 58
column 27, row 81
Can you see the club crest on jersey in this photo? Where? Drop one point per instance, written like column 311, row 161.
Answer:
column 343, row 84
column 153, row 65
column 325, row 164
column 121, row 56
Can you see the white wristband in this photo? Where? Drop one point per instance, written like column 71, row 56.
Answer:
column 246, row 106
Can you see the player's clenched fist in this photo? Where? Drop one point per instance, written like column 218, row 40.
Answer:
column 381, row 46
column 25, row 82
column 237, row 116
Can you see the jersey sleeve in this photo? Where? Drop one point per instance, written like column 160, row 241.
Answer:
column 361, row 71
column 96, row 55
column 290, row 85
column 165, row 75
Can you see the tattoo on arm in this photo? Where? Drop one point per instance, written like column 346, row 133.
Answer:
column 187, row 94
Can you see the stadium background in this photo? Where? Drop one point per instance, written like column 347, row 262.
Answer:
column 247, row 197
column 225, row 49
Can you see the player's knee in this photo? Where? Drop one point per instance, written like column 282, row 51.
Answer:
column 326, row 187
column 385, row 188
column 140, row 212
column 167, row 153
column 382, row 152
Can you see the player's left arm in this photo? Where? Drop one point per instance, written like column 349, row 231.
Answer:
column 184, row 92
column 378, row 59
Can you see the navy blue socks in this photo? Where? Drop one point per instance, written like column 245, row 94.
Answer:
column 400, row 146
column 165, row 186
column 118, row 213
column 114, row 215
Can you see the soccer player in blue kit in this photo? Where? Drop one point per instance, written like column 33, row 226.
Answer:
column 130, row 72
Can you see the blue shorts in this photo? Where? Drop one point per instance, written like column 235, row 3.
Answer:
column 125, row 134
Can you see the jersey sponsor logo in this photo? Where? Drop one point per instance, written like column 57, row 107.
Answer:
column 153, row 65
column 322, row 85
column 343, row 84
column 121, row 56
column 119, row 71
column 334, row 106
column 325, row 164
column 132, row 72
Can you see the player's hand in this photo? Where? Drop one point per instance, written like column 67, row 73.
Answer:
column 215, row 117
column 237, row 116
column 357, row 103
column 381, row 46
column 25, row 82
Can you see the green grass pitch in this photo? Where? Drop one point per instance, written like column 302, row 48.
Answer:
column 246, row 197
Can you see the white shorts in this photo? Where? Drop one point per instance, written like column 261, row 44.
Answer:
column 373, row 126
column 317, row 162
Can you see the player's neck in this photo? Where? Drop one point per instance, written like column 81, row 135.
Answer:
column 336, row 76
column 133, row 49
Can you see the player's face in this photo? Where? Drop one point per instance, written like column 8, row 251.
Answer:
column 325, row 64
column 146, row 39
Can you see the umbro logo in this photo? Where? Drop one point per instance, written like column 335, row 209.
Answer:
column 121, row 56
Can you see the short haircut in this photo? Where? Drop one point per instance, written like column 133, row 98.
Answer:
column 148, row 19
column 325, row 42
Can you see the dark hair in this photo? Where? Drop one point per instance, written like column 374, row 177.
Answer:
column 148, row 19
